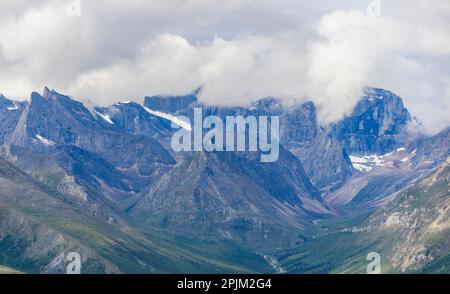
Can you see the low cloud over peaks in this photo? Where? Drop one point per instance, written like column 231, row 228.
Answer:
column 238, row 51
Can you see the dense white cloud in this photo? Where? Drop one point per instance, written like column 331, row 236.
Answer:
column 238, row 50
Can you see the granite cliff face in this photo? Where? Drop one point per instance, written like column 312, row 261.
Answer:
column 322, row 154
column 376, row 126
column 101, row 155
column 55, row 119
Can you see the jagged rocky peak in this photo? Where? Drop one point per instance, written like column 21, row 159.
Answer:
column 54, row 95
column 10, row 112
column 5, row 102
column 9, row 104
column 231, row 192
column 431, row 150
column 134, row 118
column 3, row 98
column 53, row 101
column 376, row 126
column 391, row 105
column 171, row 104
column 47, row 92
column 299, row 124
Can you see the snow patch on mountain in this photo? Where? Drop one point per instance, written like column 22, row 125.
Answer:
column 366, row 163
column 105, row 117
column 175, row 120
column 45, row 141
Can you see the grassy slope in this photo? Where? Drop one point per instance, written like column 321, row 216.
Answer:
column 419, row 241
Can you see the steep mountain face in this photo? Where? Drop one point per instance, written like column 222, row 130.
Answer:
column 233, row 196
column 134, row 119
column 322, row 154
column 376, row 126
column 10, row 112
column 367, row 159
column 171, row 104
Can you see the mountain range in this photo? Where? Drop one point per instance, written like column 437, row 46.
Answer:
column 105, row 182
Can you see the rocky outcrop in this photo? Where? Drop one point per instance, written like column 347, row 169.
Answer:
column 376, row 126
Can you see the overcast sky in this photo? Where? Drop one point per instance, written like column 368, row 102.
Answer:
column 238, row 50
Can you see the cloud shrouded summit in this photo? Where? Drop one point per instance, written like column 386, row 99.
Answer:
column 237, row 50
